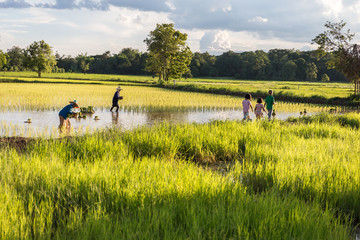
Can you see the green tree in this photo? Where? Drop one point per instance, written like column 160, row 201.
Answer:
column 349, row 64
column 84, row 62
column 16, row 59
column 167, row 51
column 180, row 63
column 311, row 71
column 325, row 78
column 3, row 59
column 336, row 40
column 261, row 65
column 288, row 71
column 39, row 57
column 229, row 64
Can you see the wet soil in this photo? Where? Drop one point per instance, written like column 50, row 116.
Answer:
column 18, row 143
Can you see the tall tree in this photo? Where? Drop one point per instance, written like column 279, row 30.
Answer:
column 349, row 63
column 40, row 57
column 311, row 71
column 16, row 59
column 288, row 70
column 346, row 56
column 84, row 62
column 166, row 47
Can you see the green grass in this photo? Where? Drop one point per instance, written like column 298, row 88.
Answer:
column 284, row 180
column 302, row 89
column 96, row 78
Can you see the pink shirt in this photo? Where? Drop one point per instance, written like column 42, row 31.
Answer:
column 246, row 105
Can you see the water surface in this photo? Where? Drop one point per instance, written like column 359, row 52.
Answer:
column 45, row 123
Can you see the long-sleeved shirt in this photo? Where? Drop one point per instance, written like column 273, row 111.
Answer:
column 116, row 98
column 66, row 110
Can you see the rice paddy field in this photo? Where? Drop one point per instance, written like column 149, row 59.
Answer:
column 301, row 89
column 293, row 179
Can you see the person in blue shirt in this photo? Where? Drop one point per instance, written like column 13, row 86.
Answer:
column 64, row 115
column 115, row 100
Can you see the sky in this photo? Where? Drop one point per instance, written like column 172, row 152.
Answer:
column 73, row 27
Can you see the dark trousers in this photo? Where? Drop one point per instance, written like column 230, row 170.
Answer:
column 115, row 105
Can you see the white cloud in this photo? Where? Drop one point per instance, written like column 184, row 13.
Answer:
column 332, row 7
column 215, row 42
column 258, row 19
column 95, row 26
column 170, row 5
column 227, row 9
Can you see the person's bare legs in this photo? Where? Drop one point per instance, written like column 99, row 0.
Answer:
column 62, row 122
column 68, row 124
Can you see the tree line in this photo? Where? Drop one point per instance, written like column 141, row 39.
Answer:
column 276, row 64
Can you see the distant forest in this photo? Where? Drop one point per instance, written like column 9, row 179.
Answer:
column 276, row 64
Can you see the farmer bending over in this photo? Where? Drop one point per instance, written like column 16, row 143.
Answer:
column 64, row 115
column 115, row 100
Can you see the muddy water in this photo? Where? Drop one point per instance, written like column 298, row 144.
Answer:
column 45, row 123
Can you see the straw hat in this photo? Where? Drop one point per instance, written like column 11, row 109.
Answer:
column 74, row 103
column 119, row 88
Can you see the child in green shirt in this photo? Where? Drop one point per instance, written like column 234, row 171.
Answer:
column 269, row 103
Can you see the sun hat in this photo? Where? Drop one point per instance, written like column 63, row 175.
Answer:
column 74, row 103
column 119, row 88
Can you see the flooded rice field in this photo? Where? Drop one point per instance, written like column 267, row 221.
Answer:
column 45, row 123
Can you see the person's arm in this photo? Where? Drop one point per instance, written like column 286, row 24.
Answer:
column 251, row 107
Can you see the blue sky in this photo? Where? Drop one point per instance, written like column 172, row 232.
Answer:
column 74, row 27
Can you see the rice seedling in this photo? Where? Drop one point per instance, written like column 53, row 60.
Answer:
column 41, row 97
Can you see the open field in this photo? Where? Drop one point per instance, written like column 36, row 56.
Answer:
column 47, row 96
column 32, row 76
column 300, row 89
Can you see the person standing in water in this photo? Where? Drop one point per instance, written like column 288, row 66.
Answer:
column 116, row 98
column 269, row 103
column 64, row 115
column 246, row 107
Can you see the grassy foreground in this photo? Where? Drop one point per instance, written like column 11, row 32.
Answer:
column 294, row 180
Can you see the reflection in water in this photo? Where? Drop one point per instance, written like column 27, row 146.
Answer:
column 115, row 117
column 156, row 117
column 45, row 123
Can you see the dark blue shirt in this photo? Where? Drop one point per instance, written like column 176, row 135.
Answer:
column 116, row 97
column 67, row 109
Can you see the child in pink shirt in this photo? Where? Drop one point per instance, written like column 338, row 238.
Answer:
column 259, row 108
column 246, row 107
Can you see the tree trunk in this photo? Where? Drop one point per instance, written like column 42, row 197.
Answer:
column 39, row 74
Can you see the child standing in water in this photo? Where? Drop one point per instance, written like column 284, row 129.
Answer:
column 259, row 108
column 246, row 107
column 269, row 102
